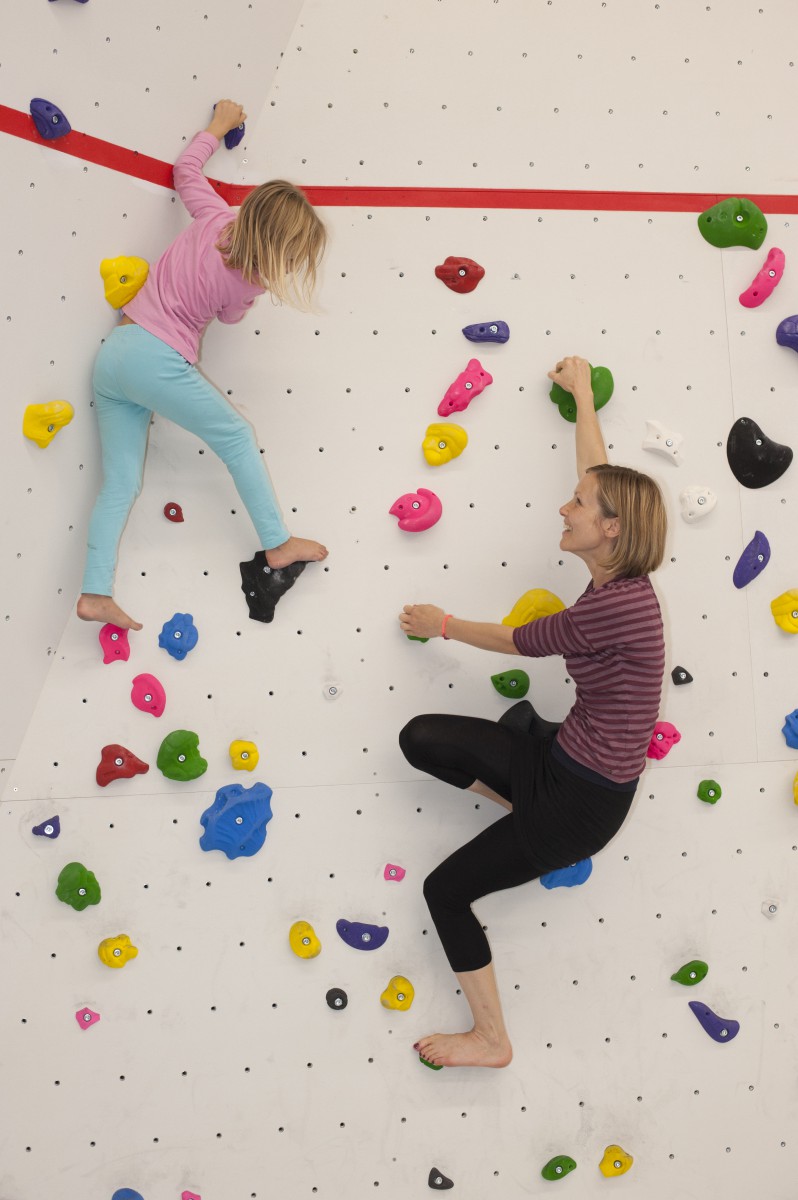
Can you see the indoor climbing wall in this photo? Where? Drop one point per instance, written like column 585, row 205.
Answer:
column 220, row 1065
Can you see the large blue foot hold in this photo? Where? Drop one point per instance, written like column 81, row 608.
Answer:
column 492, row 331
column 754, row 459
column 362, row 937
column 263, row 585
column 236, row 821
column 179, row 635
column 438, row 1181
column 568, row 876
column 48, row 829
column 715, row 1026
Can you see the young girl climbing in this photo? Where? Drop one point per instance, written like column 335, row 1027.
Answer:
column 567, row 788
column 214, row 268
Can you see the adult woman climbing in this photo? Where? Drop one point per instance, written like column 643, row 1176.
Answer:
column 567, row 788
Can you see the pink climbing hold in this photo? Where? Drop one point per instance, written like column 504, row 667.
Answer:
column 190, row 1196
column 468, row 384
column 393, row 873
column 86, row 1017
column 148, row 694
column 663, row 739
column 767, row 279
column 114, row 644
column 417, row 510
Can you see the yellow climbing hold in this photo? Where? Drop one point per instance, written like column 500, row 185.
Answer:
column 244, row 755
column 117, row 951
column 399, row 994
column 533, row 604
column 41, row 422
column 443, row 442
column 785, row 611
column 795, row 789
column 123, row 277
column 615, row 1162
column 303, row 940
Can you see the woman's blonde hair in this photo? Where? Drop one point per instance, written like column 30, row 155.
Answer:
column 277, row 240
column 636, row 500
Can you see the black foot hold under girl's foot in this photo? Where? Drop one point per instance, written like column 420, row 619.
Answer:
column 263, row 585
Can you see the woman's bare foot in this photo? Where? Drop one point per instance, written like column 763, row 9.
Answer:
column 295, row 550
column 465, row 1050
column 104, row 609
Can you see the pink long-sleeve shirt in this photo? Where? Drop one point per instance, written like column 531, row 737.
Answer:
column 189, row 284
column 614, row 649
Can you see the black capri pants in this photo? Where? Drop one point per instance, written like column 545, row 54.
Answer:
column 558, row 818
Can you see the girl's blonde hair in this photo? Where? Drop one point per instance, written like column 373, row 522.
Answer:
column 277, row 240
column 637, row 502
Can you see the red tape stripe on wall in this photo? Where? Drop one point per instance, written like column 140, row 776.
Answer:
column 153, row 170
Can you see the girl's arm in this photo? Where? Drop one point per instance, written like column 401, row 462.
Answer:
column 426, row 620
column 573, row 375
column 197, row 194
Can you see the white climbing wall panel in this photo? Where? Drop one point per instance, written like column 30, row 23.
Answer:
column 216, row 1065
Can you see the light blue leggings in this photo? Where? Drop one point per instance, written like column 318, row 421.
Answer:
column 135, row 375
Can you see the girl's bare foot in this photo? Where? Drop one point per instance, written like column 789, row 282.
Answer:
column 295, row 550
column 105, row 610
column 465, row 1050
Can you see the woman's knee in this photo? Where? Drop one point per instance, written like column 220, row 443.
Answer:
column 416, row 739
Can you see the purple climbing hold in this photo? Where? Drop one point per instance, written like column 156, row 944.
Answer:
column 715, row 1026
column 48, row 829
column 752, row 561
column 362, row 937
column 491, row 331
column 787, row 333
column 568, row 876
column 178, row 636
column 50, row 122
column 234, row 136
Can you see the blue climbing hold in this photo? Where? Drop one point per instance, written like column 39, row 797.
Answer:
column 236, row 821
column 568, row 876
column 48, row 829
column 753, row 560
column 790, row 729
column 715, row 1026
column 492, row 331
column 125, row 1193
column 362, row 937
column 178, row 636
column 50, row 121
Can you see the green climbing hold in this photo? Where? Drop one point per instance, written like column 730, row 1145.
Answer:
column 513, row 684
column 602, row 384
column 78, row 887
column 179, row 757
column 432, row 1066
column 559, row 1167
column 691, row 973
column 734, row 222
column 709, row 791
column 411, row 637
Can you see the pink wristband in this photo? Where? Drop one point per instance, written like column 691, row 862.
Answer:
column 443, row 627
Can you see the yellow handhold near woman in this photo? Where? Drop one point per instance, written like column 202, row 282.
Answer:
column 399, row 994
column 785, row 611
column 443, row 442
column 533, row 604
column 41, row 422
column 615, row 1162
column 117, row 951
column 123, row 277
column 303, row 940
column 244, row 755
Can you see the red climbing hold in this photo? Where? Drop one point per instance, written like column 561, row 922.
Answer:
column 460, row 274
column 173, row 512
column 116, row 762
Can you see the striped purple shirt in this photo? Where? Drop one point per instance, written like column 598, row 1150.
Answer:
column 614, row 651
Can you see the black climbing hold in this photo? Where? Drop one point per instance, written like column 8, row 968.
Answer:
column 681, row 675
column 754, row 459
column 263, row 585
column 523, row 718
column 438, row 1181
column 337, row 999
